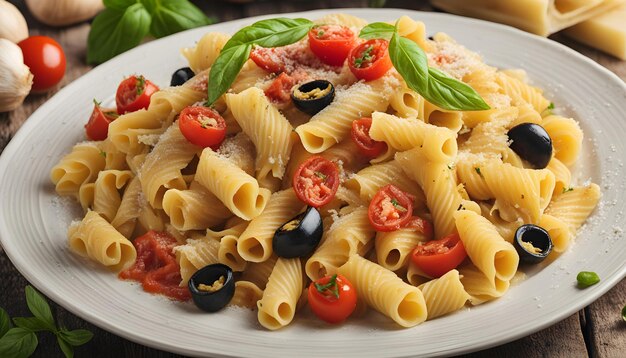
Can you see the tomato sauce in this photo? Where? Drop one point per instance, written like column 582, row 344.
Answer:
column 156, row 267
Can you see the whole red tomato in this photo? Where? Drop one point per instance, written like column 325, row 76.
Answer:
column 46, row 61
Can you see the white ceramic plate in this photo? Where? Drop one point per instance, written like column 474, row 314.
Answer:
column 33, row 220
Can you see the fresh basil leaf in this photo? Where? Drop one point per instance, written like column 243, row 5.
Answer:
column 280, row 31
column 410, row 61
column 67, row 348
column 77, row 337
column 225, row 70
column 33, row 324
column 113, row 32
column 18, row 343
column 39, row 307
column 377, row 30
column 377, row 3
column 451, row 94
column 5, row 322
column 120, row 5
column 172, row 16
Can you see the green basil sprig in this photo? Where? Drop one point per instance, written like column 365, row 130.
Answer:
column 265, row 33
column 21, row 341
column 124, row 24
column 412, row 64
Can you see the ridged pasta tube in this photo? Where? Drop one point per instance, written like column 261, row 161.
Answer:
column 96, row 239
column 382, row 290
column 394, row 247
column 574, row 206
column 107, row 198
column 194, row 255
column 76, row 168
column 406, row 133
column 205, row 52
column 277, row 307
column 487, row 250
column 481, row 288
column 237, row 190
column 444, row 295
column 194, row 209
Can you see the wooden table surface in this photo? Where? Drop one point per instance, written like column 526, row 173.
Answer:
column 596, row 331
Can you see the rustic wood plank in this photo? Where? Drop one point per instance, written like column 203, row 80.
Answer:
column 604, row 327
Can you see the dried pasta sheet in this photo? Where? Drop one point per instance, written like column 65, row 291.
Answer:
column 542, row 17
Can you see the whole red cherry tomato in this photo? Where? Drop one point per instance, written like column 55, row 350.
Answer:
column 202, row 126
column 134, row 94
column 46, row 61
column 332, row 299
column 331, row 43
column 370, row 60
column 437, row 257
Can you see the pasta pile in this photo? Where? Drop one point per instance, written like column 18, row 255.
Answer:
column 225, row 205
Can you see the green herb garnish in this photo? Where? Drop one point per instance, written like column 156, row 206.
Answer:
column 140, row 85
column 397, row 205
column 565, row 190
column 331, row 287
column 21, row 341
column 124, row 23
column 321, row 175
column 365, row 57
column 587, row 278
column 412, row 64
column 477, row 169
column 320, row 33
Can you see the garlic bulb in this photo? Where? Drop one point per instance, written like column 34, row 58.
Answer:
column 12, row 24
column 15, row 76
column 64, row 12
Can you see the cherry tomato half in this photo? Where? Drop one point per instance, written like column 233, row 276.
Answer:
column 202, row 126
column 46, row 61
column 332, row 299
column 134, row 94
column 331, row 43
column 437, row 257
column 270, row 59
column 390, row 209
column 370, row 60
column 316, row 181
column 361, row 137
column 98, row 126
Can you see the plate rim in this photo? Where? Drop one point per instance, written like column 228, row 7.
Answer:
column 11, row 149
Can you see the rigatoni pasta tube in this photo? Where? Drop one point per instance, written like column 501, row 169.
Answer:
column 406, row 133
column 284, row 287
column 237, row 190
column 493, row 256
column 76, row 168
column 382, row 290
column 444, row 295
column 96, row 239
column 194, row 209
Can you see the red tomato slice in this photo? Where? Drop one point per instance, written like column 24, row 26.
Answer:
column 437, row 257
column 270, row 59
column 134, row 94
column 202, row 126
column 332, row 299
column 361, row 137
column 316, row 181
column 370, row 60
column 46, row 61
column 98, row 126
column 390, row 209
column 421, row 225
column 331, row 43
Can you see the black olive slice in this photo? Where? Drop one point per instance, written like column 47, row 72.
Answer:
column 533, row 243
column 181, row 76
column 313, row 96
column 532, row 143
column 212, row 287
column 299, row 236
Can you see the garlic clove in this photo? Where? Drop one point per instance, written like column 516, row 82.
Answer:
column 15, row 77
column 64, row 12
column 12, row 24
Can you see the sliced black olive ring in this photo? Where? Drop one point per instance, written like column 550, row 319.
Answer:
column 181, row 76
column 212, row 287
column 533, row 243
column 532, row 143
column 312, row 97
column 299, row 236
